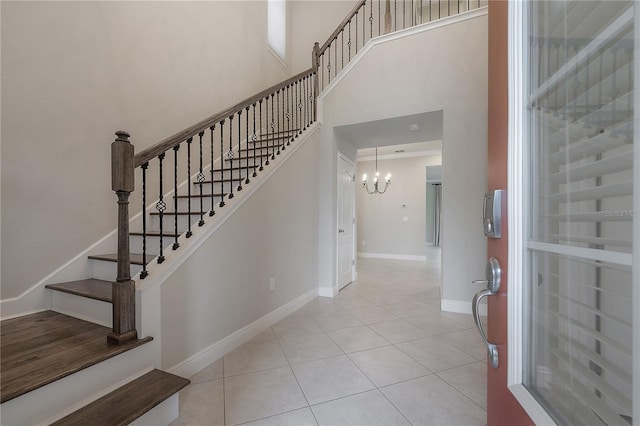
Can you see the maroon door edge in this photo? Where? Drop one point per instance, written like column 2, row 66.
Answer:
column 502, row 407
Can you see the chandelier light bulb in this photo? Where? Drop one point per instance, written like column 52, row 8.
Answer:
column 376, row 189
column 364, row 177
column 388, row 177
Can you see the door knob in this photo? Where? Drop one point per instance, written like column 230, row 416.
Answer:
column 492, row 282
column 340, row 231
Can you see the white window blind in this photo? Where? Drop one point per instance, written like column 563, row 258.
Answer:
column 579, row 330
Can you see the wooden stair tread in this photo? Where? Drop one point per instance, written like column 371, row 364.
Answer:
column 40, row 348
column 136, row 258
column 127, row 403
column 91, row 288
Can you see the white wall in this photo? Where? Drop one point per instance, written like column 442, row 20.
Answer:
column 224, row 286
column 444, row 68
column 72, row 74
column 311, row 21
column 380, row 218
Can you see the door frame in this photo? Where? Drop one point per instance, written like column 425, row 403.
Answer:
column 354, row 274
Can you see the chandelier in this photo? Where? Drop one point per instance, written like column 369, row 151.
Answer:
column 376, row 190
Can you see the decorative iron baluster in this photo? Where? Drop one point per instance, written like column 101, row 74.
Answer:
column 261, row 145
column 364, row 24
column 222, row 166
column 335, row 58
column 288, row 116
column 279, row 117
column 404, row 14
column 271, row 125
column 189, row 233
column 161, row 206
column 379, row 15
column 239, row 188
column 246, row 145
column 273, row 131
column 144, row 272
column 201, row 179
column 342, row 49
column 240, row 167
column 349, row 42
column 356, row 32
column 254, row 138
column 175, row 197
column 395, row 15
column 230, row 156
column 213, row 203
column 371, row 20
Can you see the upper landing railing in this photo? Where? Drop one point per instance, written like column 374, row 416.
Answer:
column 185, row 177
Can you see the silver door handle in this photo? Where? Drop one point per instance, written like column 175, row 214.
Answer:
column 493, row 273
column 340, row 231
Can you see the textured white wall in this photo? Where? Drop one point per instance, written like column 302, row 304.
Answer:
column 72, row 74
column 440, row 69
column 381, row 228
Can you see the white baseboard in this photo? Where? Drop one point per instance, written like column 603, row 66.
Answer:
column 392, row 256
column 214, row 352
column 460, row 307
column 325, row 292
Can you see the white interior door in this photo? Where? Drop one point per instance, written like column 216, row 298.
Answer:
column 346, row 221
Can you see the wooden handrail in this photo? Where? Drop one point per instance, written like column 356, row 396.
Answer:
column 145, row 155
column 343, row 24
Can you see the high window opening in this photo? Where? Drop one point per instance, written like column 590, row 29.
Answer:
column 277, row 28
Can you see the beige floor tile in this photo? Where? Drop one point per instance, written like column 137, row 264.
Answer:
column 357, row 339
column 330, row 378
column 336, row 320
column 430, row 401
column 381, row 298
column 368, row 408
column 265, row 393
column 212, row 372
column 373, row 314
column 252, row 357
column 353, row 303
column 307, row 347
column 301, row 417
column 406, row 309
column 322, row 306
column 399, row 331
column 267, row 334
column 468, row 341
column 387, row 365
column 438, row 323
column 296, row 325
column 470, row 380
column 201, row 404
column 435, row 354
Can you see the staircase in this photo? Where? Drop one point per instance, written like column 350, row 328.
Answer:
column 87, row 360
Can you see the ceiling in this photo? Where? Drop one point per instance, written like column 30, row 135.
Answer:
column 411, row 133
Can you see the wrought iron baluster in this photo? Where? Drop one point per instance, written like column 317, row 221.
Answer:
column 222, row 165
column 430, row 18
column 240, row 166
column 335, row 58
column 329, row 62
column 322, row 66
column 364, row 23
column 371, row 20
column 342, row 49
column 175, row 197
column 349, row 42
column 356, row 32
column 261, row 145
column 254, row 138
column 404, row 13
column 395, row 15
column 144, row 272
column 212, row 211
column 161, row 206
column 246, row 145
column 201, row 179
column 379, row 15
column 280, row 117
column 230, row 156
column 189, row 233
column 288, row 115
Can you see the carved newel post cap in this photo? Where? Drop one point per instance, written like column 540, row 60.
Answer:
column 122, row 136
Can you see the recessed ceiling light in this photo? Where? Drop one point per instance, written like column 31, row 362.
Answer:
column 414, row 127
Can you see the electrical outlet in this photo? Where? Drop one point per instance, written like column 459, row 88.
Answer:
column 272, row 284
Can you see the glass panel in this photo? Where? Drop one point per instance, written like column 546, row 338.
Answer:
column 580, row 144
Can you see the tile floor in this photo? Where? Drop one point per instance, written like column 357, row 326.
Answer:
column 380, row 353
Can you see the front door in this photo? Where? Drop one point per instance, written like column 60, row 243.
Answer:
column 346, row 220
column 566, row 319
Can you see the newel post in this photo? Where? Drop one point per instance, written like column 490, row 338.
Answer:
column 315, row 60
column 122, row 182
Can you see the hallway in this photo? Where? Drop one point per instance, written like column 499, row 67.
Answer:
column 381, row 352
